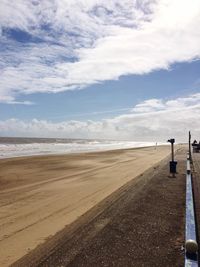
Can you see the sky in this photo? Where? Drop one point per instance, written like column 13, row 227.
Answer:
column 110, row 69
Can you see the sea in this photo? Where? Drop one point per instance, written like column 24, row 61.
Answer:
column 18, row 146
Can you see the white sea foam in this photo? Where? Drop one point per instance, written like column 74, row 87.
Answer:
column 30, row 149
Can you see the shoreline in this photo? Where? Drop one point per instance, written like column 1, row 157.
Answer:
column 68, row 151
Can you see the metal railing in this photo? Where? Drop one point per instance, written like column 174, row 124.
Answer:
column 191, row 246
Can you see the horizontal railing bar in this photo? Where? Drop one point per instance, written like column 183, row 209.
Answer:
column 188, row 167
column 191, row 246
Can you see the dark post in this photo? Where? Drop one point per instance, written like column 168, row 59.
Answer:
column 172, row 163
column 190, row 154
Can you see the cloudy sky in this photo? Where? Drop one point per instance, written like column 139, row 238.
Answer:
column 100, row 69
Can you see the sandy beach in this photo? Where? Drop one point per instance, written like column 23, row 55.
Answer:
column 40, row 195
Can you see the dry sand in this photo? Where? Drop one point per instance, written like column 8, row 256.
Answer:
column 40, row 195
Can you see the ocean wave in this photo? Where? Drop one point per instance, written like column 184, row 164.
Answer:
column 9, row 150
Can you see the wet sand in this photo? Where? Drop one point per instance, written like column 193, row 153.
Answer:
column 40, row 195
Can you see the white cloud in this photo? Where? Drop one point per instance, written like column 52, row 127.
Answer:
column 149, row 106
column 152, row 105
column 11, row 100
column 160, row 123
column 75, row 43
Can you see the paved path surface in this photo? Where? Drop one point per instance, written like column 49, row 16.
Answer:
column 141, row 224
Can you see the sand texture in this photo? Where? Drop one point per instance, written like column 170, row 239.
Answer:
column 40, row 195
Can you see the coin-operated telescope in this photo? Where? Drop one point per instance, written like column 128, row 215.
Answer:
column 172, row 163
